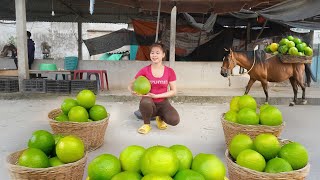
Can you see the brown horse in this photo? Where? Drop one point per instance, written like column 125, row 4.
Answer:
column 266, row 69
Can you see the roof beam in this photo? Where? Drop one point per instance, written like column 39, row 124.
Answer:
column 69, row 7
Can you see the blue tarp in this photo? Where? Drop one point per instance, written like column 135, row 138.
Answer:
column 111, row 57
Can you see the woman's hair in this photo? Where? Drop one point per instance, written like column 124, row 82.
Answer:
column 158, row 44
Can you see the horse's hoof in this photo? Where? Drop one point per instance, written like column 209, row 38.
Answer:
column 304, row 102
column 292, row 104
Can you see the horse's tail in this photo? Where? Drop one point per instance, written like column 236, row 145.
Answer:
column 309, row 74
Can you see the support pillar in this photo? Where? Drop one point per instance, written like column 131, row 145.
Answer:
column 23, row 70
column 79, row 40
column 173, row 28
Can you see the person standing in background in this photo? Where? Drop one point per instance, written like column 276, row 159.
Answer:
column 31, row 49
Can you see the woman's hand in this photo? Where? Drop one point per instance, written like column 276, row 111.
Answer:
column 134, row 93
column 151, row 95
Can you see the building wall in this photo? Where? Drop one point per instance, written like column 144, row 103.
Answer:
column 62, row 37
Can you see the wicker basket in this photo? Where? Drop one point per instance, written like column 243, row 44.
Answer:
column 231, row 129
column 91, row 133
column 70, row 171
column 237, row 172
column 294, row 59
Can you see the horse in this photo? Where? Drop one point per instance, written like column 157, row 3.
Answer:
column 266, row 69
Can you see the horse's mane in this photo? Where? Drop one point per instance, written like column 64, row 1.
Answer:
column 260, row 55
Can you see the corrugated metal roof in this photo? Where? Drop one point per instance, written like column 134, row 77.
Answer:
column 121, row 11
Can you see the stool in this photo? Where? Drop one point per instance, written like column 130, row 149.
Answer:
column 102, row 76
column 63, row 76
column 97, row 78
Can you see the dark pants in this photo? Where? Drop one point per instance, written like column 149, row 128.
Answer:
column 167, row 113
column 16, row 62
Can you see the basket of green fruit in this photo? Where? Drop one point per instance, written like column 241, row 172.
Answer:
column 291, row 50
column 48, row 157
column 242, row 118
column 266, row 158
column 82, row 118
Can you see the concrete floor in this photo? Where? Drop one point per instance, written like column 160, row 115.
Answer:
column 200, row 128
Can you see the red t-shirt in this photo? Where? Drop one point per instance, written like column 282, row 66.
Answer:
column 158, row 85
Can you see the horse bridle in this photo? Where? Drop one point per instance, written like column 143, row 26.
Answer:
column 254, row 62
column 233, row 62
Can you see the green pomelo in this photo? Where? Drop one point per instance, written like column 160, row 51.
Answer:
column 295, row 154
column 283, row 41
column 247, row 116
column 62, row 118
column 263, row 107
column 142, row 85
column 267, row 145
column 33, row 158
column 297, row 41
column 159, row 160
column 239, row 143
column 57, row 137
column 103, row 167
column 290, row 38
column 283, row 49
column 293, row 51
column 301, row 47
column 98, row 112
column 86, row 98
column 234, row 104
column 130, row 158
column 55, row 161
column 277, row 165
column 67, row 105
column 291, row 44
column 78, row 114
column 267, row 49
column 231, row 116
column 70, row 149
column 308, row 51
column 188, row 174
column 156, row 177
column 184, row 155
column 127, row 175
column 247, row 101
column 43, row 140
column 209, row 165
column 251, row 159
column 271, row 116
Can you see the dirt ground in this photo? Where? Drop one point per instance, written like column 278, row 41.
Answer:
column 200, row 128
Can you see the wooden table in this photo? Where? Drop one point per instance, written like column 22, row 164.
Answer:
column 9, row 72
column 39, row 73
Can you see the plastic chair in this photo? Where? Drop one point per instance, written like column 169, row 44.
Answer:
column 103, row 76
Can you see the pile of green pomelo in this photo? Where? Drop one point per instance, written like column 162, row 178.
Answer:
column 156, row 163
column 266, row 154
column 290, row 45
column 48, row 150
column 82, row 109
column 243, row 110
